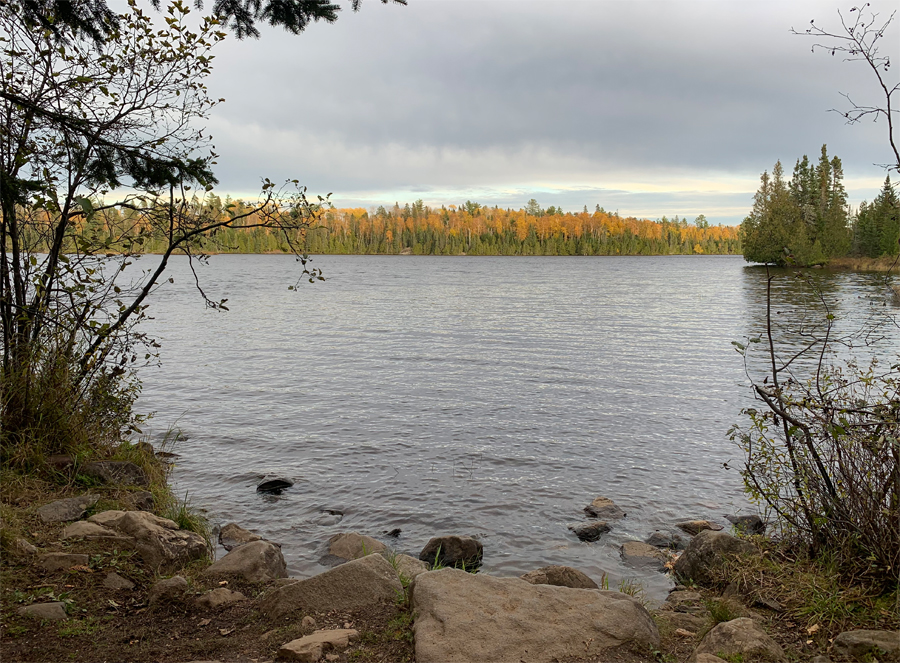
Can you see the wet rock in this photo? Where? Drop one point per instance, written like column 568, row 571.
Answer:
column 119, row 472
column 707, row 552
column 694, row 527
column 350, row 545
column 358, row 584
column 311, row 648
column 68, row 509
column 409, row 567
column 559, row 576
column 218, row 597
column 591, row 531
column 394, row 533
column 865, row 645
column 455, row 551
column 55, row 611
column 473, row 617
column 142, row 500
column 168, row 590
column 233, row 536
column 257, row 561
column 115, row 581
column 639, row 554
column 159, row 541
column 84, row 529
column 740, row 637
column 666, row 540
column 604, row 509
column 61, row 561
column 751, row 524
column 273, row 485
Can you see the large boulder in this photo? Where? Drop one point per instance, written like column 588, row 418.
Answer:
column 234, row 536
column 472, row 617
column 559, row 576
column 71, row 508
column 120, row 472
column 361, row 583
column 256, row 561
column 350, row 545
column 604, row 509
column 708, row 552
column 740, row 637
column 310, row 648
column 459, row 551
column 158, row 540
column 865, row 645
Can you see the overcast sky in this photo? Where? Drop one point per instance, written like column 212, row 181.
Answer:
column 649, row 108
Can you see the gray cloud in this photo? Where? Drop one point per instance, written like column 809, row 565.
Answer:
column 499, row 97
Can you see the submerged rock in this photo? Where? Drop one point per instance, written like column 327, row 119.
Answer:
column 273, row 485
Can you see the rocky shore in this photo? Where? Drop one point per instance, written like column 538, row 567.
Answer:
column 126, row 584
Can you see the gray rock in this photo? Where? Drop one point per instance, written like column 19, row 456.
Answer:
column 115, row 581
column 361, row 583
column 455, row 551
column 55, row 611
column 68, row 509
column 311, row 648
column 350, row 545
column 752, row 524
column 864, row 645
column 273, row 485
column 559, row 576
column 409, row 567
column 233, row 536
column 142, row 500
column 666, row 540
column 61, row 561
column 218, row 597
column 257, row 561
column 591, row 531
column 168, row 589
column 107, row 518
column 685, row 620
column 119, row 472
column 158, row 540
column 740, row 637
column 22, row 549
column 694, row 527
column 639, row 554
column 706, row 553
column 474, row 617
column 604, row 509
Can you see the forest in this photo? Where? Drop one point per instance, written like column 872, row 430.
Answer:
column 473, row 229
column 806, row 221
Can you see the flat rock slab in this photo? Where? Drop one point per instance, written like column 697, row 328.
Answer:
column 52, row 611
column 559, row 576
column 740, row 637
column 234, row 536
column 120, row 472
column 643, row 555
column 351, row 545
column 218, row 597
column 84, row 529
column 61, row 561
column 589, row 532
column 115, row 581
column 257, row 561
column 865, row 645
column 310, row 648
column 361, row 583
column 604, row 509
column 71, row 508
column 463, row 617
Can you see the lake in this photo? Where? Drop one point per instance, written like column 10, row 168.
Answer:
column 468, row 395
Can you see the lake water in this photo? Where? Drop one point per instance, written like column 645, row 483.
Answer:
column 467, row 395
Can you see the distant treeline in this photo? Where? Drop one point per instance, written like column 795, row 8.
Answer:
column 473, row 229
column 807, row 221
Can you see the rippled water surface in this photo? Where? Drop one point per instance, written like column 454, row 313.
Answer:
column 485, row 396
